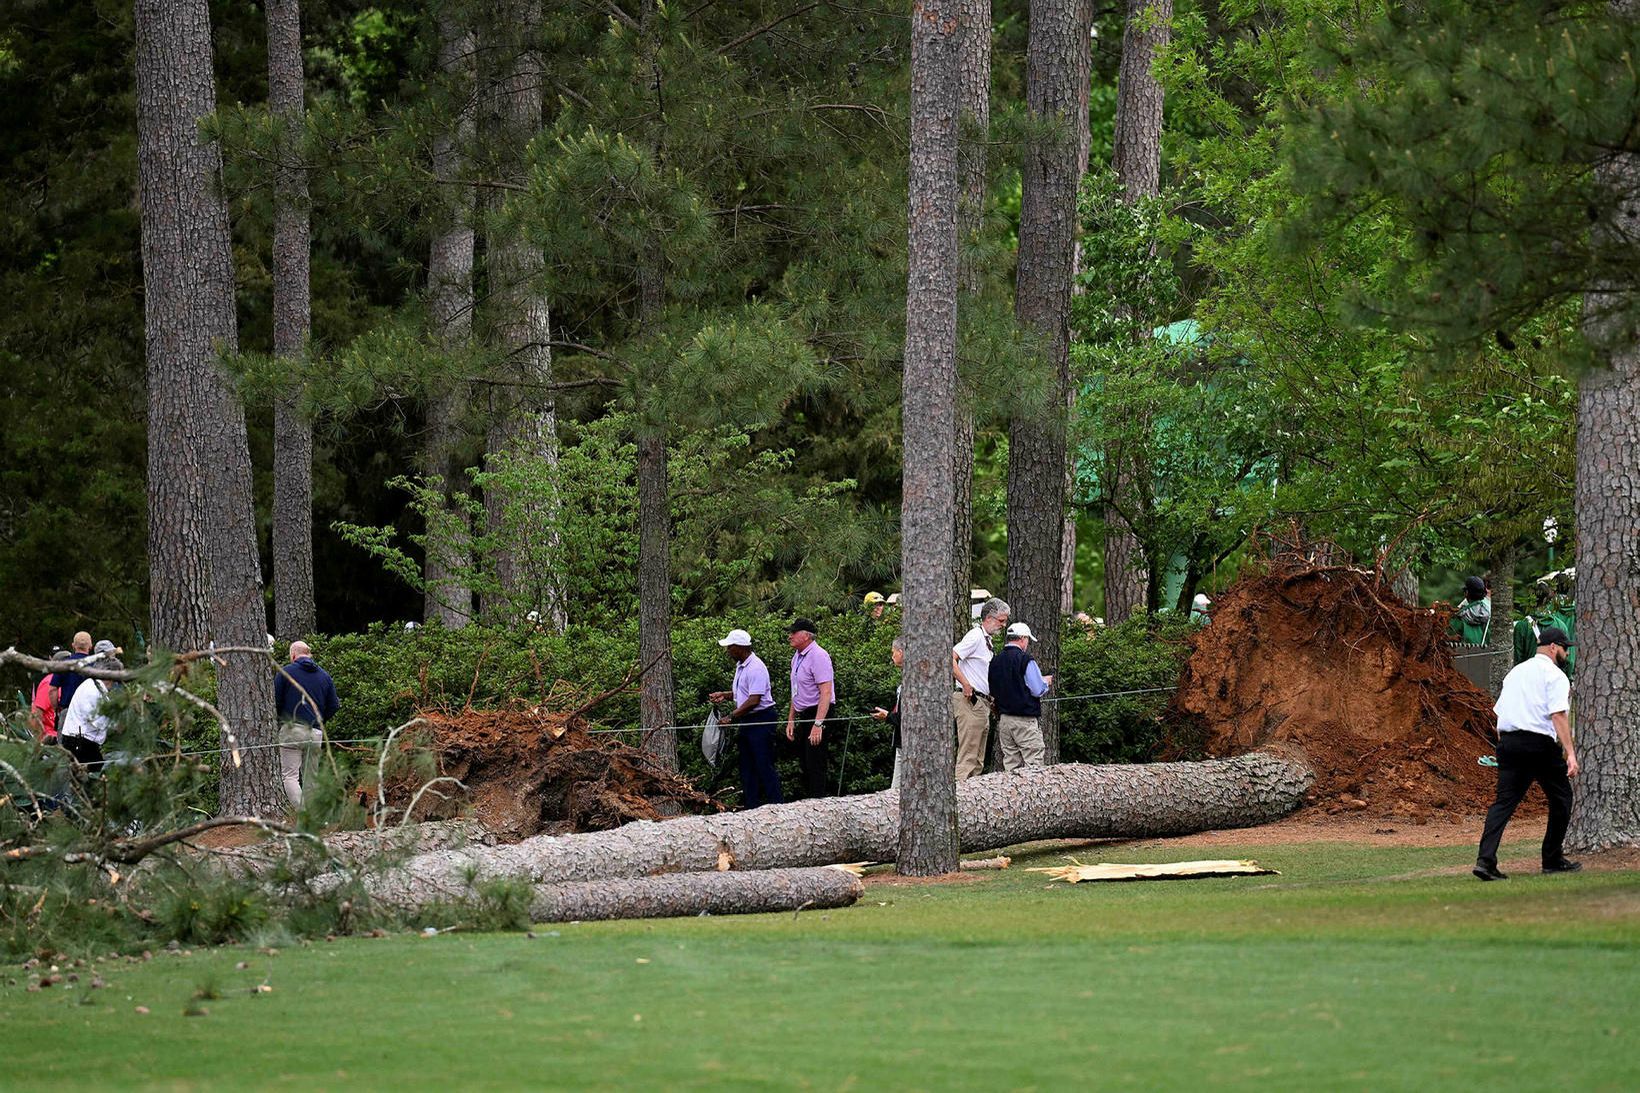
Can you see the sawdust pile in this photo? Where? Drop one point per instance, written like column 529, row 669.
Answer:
column 1325, row 660
column 530, row 771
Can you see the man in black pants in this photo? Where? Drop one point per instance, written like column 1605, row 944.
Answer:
column 1534, row 745
column 814, row 692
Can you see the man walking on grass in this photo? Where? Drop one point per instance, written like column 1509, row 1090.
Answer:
column 971, row 701
column 306, row 698
column 1534, row 745
column 814, row 693
column 755, row 716
column 1017, row 685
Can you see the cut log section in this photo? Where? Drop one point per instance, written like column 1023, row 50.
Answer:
column 1066, row 801
column 675, row 895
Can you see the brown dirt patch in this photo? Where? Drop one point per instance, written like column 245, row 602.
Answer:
column 227, row 838
column 1326, row 661
column 530, row 770
column 894, row 880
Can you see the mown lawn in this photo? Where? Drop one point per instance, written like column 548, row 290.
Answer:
column 1359, row 967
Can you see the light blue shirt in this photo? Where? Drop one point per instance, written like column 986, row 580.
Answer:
column 1033, row 679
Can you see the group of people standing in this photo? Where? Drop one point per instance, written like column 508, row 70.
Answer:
column 1007, row 687
column 67, row 707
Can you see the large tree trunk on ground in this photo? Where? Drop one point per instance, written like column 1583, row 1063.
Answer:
column 1606, row 806
column 1042, row 301
column 523, row 417
column 993, row 810
column 1137, row 158
column 928, row 839
column 190, row 310
column 294, row 611
column 974, row 112
column 678, row 895
column 448, row 598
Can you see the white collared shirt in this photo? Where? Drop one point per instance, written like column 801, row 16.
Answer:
column 974, row 659
column 1533, row 691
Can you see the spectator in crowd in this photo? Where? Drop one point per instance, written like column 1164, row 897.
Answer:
column 971, row 700
column 305, row 697
column 893, row 716
column 814, row 693
column 1018, row 686
column 42, row 711
column 875, row 605
column 755, row 715
column 1474, row 616
column 64, row 682
column 85, row 723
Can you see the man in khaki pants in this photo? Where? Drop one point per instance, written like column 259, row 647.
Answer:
column 971, row 701
column 1017, row 686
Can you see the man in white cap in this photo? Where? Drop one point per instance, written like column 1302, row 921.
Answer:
column 1017, row 687
column 755, row 715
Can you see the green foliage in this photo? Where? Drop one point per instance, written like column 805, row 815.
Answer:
column 213, row 911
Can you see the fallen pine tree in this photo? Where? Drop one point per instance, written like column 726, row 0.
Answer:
column 1067, row 801
column 672, row 895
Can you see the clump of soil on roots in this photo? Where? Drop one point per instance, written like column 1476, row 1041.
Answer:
column 530, row 771
column 1325, row 661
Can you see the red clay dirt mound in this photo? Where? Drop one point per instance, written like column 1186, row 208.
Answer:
column 529, row 771
column 1325, row 660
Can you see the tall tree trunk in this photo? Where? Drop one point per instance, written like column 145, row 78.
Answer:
column 1500, row 636
column 1072, row 800
column 974, row 105
column 1606, row 808
column 928, row 837
column 1084, row 146
column 1042, row 299
column 294, row 612
column 1137, row 158
column 523, row 417
column 656, row 700
column 448, row 598
column 189, row 305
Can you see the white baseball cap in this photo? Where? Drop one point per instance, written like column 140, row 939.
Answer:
column 1020, row 630
column 737, row 637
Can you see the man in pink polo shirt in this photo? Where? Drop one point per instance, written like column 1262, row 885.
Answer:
column 813, row 695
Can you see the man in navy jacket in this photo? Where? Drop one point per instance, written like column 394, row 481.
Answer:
column 305, row 696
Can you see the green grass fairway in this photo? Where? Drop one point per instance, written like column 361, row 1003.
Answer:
column 1358, row 967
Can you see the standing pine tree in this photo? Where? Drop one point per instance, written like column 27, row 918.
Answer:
column 293, row 605
column 191, row 323
column 928, row 802
column 1042, row 302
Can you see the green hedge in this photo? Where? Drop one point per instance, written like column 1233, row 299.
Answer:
column 386, row 673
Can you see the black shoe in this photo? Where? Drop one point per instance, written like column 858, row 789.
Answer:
column 1488, row 872
column 1564, row 866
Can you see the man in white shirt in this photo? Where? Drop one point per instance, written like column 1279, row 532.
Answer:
column 1534, row 745
column 84, row 726
column 971, row 701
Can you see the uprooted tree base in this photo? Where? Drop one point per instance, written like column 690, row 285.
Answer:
column 1325, row 660
column 531, row 771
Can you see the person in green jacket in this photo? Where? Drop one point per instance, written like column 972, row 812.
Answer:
column 1474, row 616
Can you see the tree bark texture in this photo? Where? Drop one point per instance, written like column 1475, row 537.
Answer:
column 974, row 129
column 294, row 611
column 1136, row 156
column 188, row 303
column 928, row 838
column 190, row 315
column 655, row 698
column 448, row 599
column 523, row 417
column 1047, row 234
column 1606, row 696
column 677, row 895
column 1071, row 800
column 1500, row 635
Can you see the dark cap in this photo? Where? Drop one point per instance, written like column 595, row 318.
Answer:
column 1474, row 588
column 801, row 624
column 1554, row 635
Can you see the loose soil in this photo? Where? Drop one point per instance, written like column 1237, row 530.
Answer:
column 529, row 771
column 1325, row 661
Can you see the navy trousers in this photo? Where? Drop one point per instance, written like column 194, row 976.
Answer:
column 759, row 781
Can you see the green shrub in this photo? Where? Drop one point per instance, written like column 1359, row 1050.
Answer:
column 385, row 674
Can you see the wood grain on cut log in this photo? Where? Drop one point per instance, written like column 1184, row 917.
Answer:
column 675, row 895
column 1067, row 801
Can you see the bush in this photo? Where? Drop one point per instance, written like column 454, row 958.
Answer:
column 385, row 674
